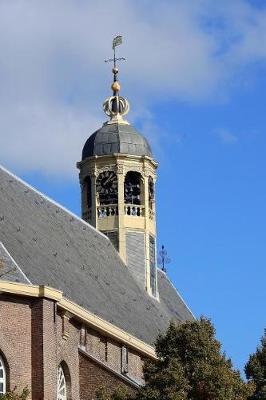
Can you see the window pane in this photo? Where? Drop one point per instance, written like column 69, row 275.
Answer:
column 2, row 377
column 61, row 384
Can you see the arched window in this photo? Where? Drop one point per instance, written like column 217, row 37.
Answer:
column 61, row 384
column 133, row 188
column 2, row 377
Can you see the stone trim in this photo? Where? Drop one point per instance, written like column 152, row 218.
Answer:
column 79, row 313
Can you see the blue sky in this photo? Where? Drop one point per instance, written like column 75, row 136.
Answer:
column 195, row 78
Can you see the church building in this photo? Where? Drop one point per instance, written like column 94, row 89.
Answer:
column 81, row 299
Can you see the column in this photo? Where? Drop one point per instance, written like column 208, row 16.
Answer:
column 94, row 198
column 121, row 211
column 147, row 238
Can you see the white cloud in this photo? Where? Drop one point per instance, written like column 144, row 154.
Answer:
column 53, row 78
column 226, row 136
column 44, row 137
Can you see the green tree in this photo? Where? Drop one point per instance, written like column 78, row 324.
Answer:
column 191, row 366
column 14, row 395
column 256, row 370
column 119, row 394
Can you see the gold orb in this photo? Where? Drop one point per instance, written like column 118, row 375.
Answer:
column 115, row 86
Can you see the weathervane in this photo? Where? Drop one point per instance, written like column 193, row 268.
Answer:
column 116, row 42
column 163, row 259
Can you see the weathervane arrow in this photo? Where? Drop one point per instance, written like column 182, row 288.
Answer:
column 116, row 42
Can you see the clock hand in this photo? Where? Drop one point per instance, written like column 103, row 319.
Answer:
column 111, row 177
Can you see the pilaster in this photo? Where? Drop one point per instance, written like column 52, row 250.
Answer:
column 121, row 211
column 146, row 227
column 94, row 208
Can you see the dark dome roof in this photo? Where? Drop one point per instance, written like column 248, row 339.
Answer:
column 116, row 138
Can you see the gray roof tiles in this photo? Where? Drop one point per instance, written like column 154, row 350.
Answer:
column 54, row 247
column 116, row 138
column 9, row 270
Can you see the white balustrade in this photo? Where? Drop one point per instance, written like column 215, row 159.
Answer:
column 107, row 211
column 134, row 210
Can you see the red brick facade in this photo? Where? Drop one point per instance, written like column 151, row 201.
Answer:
column 35, row 338
column 16, row 340
column 93, row 376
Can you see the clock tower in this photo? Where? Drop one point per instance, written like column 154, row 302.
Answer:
column 117, row 178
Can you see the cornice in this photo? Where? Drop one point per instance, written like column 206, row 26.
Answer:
column 116, row 157
column 79, row 313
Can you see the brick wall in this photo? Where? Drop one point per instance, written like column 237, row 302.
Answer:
column 37, row 384
column 67, row 351
column 35, row 338
column 60, row 346
column 32, row 343
column 135, row 366
column 97, row 344
column 93, row 376
column 114, row 355
column 15, row 340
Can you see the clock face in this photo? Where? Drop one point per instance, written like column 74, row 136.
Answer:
column 107, row 187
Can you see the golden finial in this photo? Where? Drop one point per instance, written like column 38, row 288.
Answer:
column 115, row 86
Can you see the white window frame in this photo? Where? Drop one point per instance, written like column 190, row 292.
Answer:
column 3, row 379
column 61, row 384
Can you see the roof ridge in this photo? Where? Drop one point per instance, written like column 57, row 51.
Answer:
column 53, row 202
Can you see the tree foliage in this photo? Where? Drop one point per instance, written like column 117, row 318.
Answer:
column 14, row 395
column 190, row 366
column 119, row 394
column 256, row 370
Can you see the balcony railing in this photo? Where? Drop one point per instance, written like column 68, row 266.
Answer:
column 134, row 210
column 107, row 211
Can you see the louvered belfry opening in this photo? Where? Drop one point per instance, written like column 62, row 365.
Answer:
column 133, row 194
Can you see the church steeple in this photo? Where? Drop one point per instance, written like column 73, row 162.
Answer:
column 117, row 176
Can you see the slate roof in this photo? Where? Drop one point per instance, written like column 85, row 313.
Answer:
column 9, row 270
column 54, row 247
column 116, row 138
